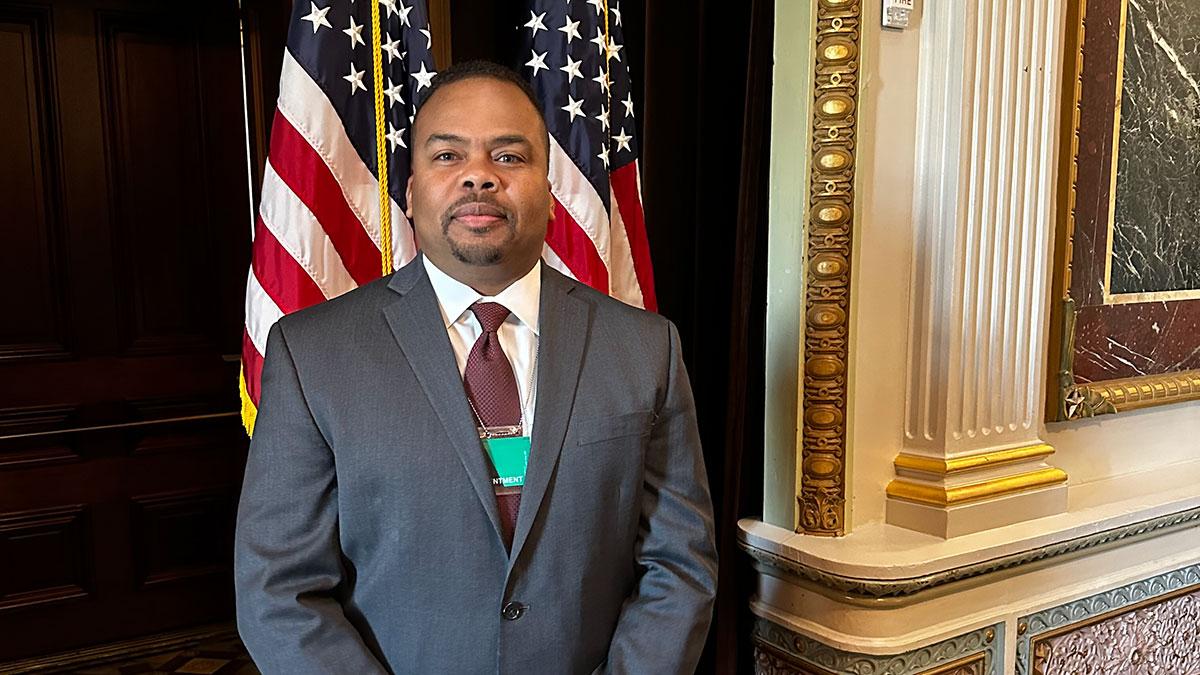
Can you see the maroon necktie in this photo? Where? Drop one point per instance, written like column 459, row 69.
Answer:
column 492, row 390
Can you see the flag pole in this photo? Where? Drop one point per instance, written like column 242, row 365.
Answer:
column 385, row 210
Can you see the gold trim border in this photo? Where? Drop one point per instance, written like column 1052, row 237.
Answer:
column 957, row 465
column 946, row 496
column 1132, row 393
column 822, row 498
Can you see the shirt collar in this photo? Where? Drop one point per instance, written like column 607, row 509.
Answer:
column 522, row 296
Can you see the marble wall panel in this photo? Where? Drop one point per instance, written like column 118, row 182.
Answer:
column 1132, row 213
column 1156, row 222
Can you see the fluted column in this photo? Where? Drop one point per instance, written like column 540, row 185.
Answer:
column 973, row 454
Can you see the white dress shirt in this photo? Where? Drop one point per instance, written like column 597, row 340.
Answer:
column 518, row 334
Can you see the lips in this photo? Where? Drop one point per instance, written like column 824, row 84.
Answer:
column 480, row 210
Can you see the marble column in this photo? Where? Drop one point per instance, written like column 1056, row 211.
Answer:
column 973, row 455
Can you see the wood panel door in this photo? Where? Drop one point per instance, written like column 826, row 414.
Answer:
column 124, row 245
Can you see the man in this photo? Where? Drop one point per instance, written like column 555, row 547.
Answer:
column 475, row 465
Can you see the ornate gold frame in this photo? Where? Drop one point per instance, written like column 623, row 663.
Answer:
column 822, row 497
column 1066, row 399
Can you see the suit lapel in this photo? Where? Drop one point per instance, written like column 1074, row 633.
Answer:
column 564, row 325
column 415, row 320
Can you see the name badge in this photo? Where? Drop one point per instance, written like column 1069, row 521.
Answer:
column 510, row 456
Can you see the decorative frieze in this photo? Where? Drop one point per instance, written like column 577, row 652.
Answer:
column 781, row 651
column 1151, row 626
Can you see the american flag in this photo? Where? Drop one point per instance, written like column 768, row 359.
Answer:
column 576, row 66
column 318, row 231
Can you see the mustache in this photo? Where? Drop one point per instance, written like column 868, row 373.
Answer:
column 474, row 204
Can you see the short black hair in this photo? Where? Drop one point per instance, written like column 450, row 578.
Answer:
column 466, row 70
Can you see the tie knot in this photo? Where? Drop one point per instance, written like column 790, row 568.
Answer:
column 490, row 315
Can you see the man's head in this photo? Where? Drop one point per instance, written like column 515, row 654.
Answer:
column 479, row 195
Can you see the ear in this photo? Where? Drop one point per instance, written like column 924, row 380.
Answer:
column 551, row 196
column 408, row 210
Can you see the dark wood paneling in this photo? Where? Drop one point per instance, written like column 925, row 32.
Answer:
column 150, row 85
column 29, row 179
column 45, row 557
column 27, row 437
column 143, row 197
column 182, row 535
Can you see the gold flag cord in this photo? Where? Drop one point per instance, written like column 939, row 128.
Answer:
column 385, row 202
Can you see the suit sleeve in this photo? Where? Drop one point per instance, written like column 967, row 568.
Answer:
column 287, row 560
column 664, row 623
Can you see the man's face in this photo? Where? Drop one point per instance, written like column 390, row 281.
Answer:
column 479, row 196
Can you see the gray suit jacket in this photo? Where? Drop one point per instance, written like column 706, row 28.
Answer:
column 368, row 538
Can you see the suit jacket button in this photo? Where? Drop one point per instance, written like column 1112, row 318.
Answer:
column 512, row 611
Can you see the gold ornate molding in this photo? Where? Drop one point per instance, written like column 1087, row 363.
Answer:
column 822, row 496
column 944, row 496
column 957, row 465
column 1080, row 401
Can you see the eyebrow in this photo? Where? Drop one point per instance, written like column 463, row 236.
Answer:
column 454, row 139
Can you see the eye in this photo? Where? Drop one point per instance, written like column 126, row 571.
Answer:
column 509, row 158
column 444, row 156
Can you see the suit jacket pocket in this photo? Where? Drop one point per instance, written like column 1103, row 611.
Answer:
column 590, row 430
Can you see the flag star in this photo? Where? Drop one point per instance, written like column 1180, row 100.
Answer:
column 617, row 13
column 390, row 5
column 623, row 140
column 571, row 30
column 428, row 38
column 574, row 107
column 598, row 4
column 535, row 22
column 628, row 103
column 537, row 61
column 612, row 50
column 355, row 78
column 392, row 47
column 599, row 41
column 572, row 69
column 601, row 79
column 423, row 78
column 395, row 137
column 604, row 157
column 355, row 34
column 603, row 117
column 317, row 17
column 403, row 12
column 393, row 92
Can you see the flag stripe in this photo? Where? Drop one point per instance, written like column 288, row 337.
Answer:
column 576, row 249
column 551, row 258
column 311, row 114
column 308, row 177
column 574, row 192
column 623, row 282
column 252, row 365
column 626, row 186
column 301, row 235
column 283, row 279
column 261, row 313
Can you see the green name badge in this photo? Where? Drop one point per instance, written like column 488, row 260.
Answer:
column 510, row 456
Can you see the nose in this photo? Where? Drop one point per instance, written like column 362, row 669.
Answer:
column 479, row 174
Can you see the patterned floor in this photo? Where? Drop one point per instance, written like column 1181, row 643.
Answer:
column 217, row 655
